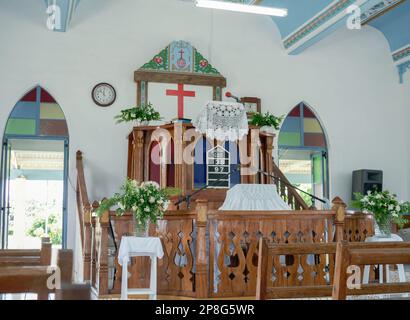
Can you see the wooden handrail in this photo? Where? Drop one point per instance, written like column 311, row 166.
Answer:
column 84, row 215
column 287, row 192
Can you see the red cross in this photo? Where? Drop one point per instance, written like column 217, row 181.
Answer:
column 181, row 94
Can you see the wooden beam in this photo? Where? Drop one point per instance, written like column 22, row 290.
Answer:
column 186, row 78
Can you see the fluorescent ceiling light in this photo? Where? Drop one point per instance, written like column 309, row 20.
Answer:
column 231, row 6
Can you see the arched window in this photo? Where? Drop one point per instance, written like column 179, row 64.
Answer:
column 34, row 172
column 303, row 152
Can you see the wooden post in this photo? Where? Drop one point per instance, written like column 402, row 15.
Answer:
column 262, row 277
column 340, row 278
column 94, row 252
column 104, row 224
column 202, row 277
column 65, row 263
column 87, row 244
column 45, row 254
column 339, row 207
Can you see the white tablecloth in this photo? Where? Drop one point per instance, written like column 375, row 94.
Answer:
column 256, row 197
column 130, row 245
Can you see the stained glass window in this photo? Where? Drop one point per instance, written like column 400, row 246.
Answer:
column 301, row 128
column 37, row 114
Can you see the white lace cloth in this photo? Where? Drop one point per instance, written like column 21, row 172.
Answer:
column 222, row 121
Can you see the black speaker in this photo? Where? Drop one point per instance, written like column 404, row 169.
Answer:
column 367, row 180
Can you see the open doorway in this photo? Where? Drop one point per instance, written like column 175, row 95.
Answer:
column 303, row 153
column 36, row 192
column 34, row 170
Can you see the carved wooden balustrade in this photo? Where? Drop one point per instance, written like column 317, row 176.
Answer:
column 211, row 253
column 286, row 191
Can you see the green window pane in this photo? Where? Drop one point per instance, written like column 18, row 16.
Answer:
column 289, row 139
column 21, row 126
column 51, row 111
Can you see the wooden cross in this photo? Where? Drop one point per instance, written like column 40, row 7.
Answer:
column 181, row 94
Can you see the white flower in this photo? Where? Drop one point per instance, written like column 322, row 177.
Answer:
column 372, row 203
column 150, row 183
column 135, row 183
column 369, row 192
column 142, row 200
column 146, row 209
column 151, row 200
column 122, row 207
column 391, row 207
column 395, row 215
column 134, row 208
column 38, row 232
column 398, row 208
column 378, row 196
column 165, row 205
column 160, row 201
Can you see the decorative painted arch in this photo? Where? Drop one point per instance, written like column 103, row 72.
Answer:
column 302, row 129
column 37, row 114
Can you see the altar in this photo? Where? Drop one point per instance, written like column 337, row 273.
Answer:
column 256, row 197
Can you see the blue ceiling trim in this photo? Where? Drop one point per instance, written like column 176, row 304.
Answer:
column 376, row 10
column 299, row 12
column 395, row 26
column 403, row 68
column 401, row 53
column 66, row 11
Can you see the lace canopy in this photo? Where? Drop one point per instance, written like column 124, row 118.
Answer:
column 222, row 121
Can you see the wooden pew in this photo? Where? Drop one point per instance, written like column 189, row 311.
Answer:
column 369, row 254
column 30, row 257
column 304, row 285
column 33, row 279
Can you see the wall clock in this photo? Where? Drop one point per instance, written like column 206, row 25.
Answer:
column 104, row 94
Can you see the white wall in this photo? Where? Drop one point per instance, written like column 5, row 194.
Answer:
column 348, row 78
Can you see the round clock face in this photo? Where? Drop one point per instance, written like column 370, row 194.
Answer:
column 104, row 94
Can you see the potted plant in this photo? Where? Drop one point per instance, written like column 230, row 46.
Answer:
column 385, row 209
column 267, row 121
column 146, row 201
column 142, row 114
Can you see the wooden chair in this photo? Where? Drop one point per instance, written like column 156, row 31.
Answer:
column 20, row 278
column 31, row 257
column 360, row 254
column 268, row 257
column 304, row 285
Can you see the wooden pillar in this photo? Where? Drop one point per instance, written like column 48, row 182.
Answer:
column 180, row 166
column 339, row 207
column 137, row 156
column 340, row 278
column 262, row 276
column 268, row 157
column 94, row 252
column 202, row 276
column 87, row 245
column 104, row 222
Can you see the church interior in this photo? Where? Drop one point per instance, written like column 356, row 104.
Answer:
column 205, row 149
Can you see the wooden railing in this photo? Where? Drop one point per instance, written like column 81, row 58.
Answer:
column 286, row 191
column 211, row 253
column 84, row 216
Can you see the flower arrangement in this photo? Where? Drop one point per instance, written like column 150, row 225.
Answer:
column 146, row 201
column 144, row 112
column 384, row 206
column 266, row 120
